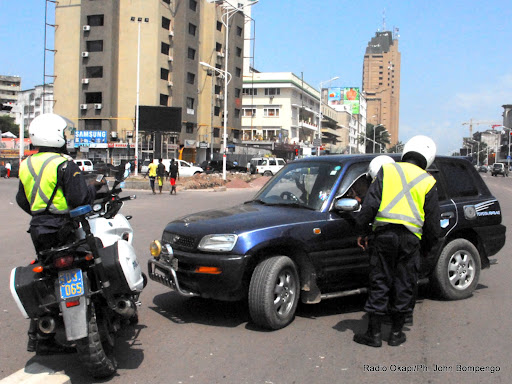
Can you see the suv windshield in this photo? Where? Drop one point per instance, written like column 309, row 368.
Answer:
column 307, row 185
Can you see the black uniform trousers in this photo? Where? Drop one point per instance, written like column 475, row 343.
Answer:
column 394, row 266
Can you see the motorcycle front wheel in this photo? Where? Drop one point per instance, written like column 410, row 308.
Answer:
column 96, row 351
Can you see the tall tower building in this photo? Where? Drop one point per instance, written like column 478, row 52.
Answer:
column 113, row 55
column 381, row 82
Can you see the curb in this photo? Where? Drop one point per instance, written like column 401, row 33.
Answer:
column 36, row 373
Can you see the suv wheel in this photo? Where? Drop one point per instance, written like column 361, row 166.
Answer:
column 458, row 270
column 274, row 292
column 267, row 173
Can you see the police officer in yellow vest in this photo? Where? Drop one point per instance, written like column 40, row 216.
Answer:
column 402, row 207
column 50, row 185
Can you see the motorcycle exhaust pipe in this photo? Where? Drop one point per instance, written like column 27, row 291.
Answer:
column 47, row 324
column 125, row 308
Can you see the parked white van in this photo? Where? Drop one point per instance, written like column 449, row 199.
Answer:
column 85, row 165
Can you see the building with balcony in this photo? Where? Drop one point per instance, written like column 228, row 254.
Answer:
column 32, row 103
column 10, row 86
column 112, row 56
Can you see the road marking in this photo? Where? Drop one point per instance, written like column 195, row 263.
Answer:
column 36, row 373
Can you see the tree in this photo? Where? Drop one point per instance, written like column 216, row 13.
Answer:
column 7, row 125
column 397, row 148
column 382, row 137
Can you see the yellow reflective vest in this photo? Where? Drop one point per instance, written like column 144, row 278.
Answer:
column 38, row 174
column 404, row 188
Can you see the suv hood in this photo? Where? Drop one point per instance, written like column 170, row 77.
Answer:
column 241, row 218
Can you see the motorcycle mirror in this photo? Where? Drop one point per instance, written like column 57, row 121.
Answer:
column 123, row 174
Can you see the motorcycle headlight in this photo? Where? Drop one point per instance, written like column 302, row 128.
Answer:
column 218, row 243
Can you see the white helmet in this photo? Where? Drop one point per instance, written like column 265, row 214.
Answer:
column 377, row 163
column 420, row 148
column 47, row 130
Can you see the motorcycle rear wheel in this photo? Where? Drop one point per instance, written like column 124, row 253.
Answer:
column 96, row 351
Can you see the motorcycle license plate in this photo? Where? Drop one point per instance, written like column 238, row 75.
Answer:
column 71, row 283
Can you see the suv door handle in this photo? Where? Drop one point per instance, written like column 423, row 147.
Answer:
column 447, row 215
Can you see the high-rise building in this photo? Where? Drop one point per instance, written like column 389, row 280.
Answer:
column 111, row 56
column 381, row 82
column 10, row 86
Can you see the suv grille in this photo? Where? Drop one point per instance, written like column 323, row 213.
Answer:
column 179, row 241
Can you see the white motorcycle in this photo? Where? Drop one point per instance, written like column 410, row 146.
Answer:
column 88, row 288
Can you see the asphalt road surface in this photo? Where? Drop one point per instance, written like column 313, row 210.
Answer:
column 196, row 341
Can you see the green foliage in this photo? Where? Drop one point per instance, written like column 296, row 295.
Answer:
column 7, row 125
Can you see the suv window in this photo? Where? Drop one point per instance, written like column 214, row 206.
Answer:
column 458, row 179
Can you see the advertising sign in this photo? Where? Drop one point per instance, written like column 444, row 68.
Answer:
column 351, row 97
column 334, row 96
column 89, row 137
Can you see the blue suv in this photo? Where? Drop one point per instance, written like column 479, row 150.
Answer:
column 296, row 239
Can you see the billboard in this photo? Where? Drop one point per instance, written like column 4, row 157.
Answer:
column 163, row 119
column 334, row 96
column 90, row 137
column 351, row 97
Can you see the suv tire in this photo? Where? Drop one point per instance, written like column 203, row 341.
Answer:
column 267, row 173
column 274, row 292
column 457, row 271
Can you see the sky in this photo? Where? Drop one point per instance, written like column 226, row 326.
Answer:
column 456, row 57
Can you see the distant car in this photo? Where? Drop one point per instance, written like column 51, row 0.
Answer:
column 212, row 166
column 105, row 169
column 482, row 168
column 185, row 168
column 499, row 169
column 267, row 166
column 85, row 165
column 144, row 168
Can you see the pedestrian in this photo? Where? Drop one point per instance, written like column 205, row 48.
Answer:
column 160, row 174
column 174, row 174
column 152, row 175
column 402, row 205
column 8, row 168
column 51, row 185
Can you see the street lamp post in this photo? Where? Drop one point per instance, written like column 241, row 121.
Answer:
column 375, row 129
column 227, row 77
column 139, row 22
column 230, row 10
column 320, row 114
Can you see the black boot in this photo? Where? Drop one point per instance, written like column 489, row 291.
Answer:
column 397, row 337
column 372, row 337
column 32, row 336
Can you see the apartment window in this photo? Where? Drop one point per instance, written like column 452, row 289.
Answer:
column 164, row 99
column 219, row 26
column 189, row 128
column 166, row 23
column 190, row 103
column 250, row 91
column 191, row 53
column 92, row 125
column 216, row 132
column 93, row 72
column 239, row 31
column 236, row 133
column 192, row 4
column 237, row 92
column 164, row 48
column 93, row 97
column 271, row 112
column 217, row 89
column 190, row 78
column 238, row 72
column 218, row 66
column 95, row 20
column 216, row 112
column 238, row 52
column 167, row 1
column 237, row 113
column 94, row 46
column 272, row 91
column 192, row 29
column 218, row 47
column 249, row 112
column 164, row 74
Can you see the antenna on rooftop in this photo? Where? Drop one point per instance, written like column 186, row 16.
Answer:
column 384, row 20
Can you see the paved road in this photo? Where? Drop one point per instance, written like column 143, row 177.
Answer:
column 200, row 341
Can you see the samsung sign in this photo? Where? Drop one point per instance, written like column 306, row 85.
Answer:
column 93, row 139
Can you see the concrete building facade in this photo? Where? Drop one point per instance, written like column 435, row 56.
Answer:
column 112, row 56
column 381, row 82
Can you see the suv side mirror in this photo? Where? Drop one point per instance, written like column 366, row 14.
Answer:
column 346, row 204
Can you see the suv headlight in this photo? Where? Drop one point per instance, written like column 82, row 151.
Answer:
column 218, row 243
